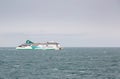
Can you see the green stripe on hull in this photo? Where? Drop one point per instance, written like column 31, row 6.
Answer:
column 36, row 48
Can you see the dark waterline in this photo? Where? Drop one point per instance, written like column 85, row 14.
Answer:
column 69, row 63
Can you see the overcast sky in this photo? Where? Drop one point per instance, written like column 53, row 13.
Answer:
column 73, row 23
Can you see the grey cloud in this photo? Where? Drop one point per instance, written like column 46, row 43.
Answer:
column 73, row 22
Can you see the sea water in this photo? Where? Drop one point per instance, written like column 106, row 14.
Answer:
column 68, row 63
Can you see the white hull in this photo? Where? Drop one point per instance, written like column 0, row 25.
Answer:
column 41, row 46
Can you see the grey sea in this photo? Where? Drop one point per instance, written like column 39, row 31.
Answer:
column 69, row 63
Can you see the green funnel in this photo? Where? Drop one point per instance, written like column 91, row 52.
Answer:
column 29, row 42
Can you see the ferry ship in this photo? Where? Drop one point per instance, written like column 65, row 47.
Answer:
column 43, row 46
